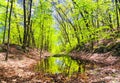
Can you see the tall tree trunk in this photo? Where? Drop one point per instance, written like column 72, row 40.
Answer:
column 29, row 23
column 64, row 28
column 42, row 39
column 9, row 27
column 32, row 35
column 18, row 29
column 74, row 28
column 97, row 13
column 41, row 29
column 119, row 7
column 110, row 20
column 117, row 16
column 6, row 17
column 25, row 27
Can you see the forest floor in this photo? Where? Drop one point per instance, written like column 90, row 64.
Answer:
column 20, row 68
column 104, row 68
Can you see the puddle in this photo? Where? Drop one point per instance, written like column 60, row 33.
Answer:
column 59, row 64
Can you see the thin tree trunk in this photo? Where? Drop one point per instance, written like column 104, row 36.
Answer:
column 42, row 38
column 117, row 16
column 32, row 35
column 29, row 23
column 6, row 17
column 119, row 7
column 9, row 27
column 62, row 24
column 41, row 45
column 110, row 20
column 74, row 28
column 25, row 27
column 18, row 29
column 97, row 13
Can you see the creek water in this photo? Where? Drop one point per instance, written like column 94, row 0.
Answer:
column 59, row 64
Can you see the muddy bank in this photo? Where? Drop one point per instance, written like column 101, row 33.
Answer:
column 105, row 67
column 20, row 68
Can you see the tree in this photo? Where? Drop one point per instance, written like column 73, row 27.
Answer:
column 117, row 15
column 9, row 27
column 25, row 26
column 6, row 18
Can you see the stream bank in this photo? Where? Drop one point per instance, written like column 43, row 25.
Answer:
column 104, row 66
column 20, row 68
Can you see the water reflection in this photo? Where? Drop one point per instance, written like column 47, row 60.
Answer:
column 59, row 64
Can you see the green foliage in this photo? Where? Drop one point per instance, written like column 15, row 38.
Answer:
column 60, row 26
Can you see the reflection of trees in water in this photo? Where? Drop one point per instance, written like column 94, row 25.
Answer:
column 47, row 66
column 82, row 65
column 64, row 65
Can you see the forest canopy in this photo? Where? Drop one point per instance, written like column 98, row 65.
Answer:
column 58, row 25
column 60, row 41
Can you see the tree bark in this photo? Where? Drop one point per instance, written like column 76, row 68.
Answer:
column 29, row 23
column 117, row 16
column 18, row 29
column 9, row 27
column 25, row 27
column 6, row 17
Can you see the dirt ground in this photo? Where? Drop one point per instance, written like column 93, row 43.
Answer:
column 105, row 68
column 20, row 67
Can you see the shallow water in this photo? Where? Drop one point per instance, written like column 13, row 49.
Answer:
column 59, row 64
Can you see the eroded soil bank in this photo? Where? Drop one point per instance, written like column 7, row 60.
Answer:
column 105, row 67
column 20, row 68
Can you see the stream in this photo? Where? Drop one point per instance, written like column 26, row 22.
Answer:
column 60, row 64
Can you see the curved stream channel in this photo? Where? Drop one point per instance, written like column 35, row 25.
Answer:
column 60, row 64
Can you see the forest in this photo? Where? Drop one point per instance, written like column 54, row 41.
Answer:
column 59, row 41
